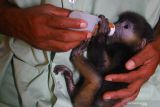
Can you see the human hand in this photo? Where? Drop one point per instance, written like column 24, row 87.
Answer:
column 47, row 27
column 147, row 61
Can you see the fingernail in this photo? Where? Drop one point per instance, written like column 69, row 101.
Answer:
column 107, row 97
column 83, row 25
column 125, row 102
column 108, row 79
column 130, row 65
column 89, row 35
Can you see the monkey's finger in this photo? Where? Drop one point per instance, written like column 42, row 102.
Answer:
column 142, row 57
column 124, row 93
column 126, row 100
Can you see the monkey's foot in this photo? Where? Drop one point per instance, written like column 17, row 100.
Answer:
column 67, row 75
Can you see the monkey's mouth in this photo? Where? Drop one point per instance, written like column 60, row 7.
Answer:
column 107, row 31
column 115, row 37
column 112, row 29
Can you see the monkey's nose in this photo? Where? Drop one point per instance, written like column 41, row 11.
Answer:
column 117, row 25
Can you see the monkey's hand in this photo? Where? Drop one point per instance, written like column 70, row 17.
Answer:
column 103, row 25
column 147, row 61
column 80, row 49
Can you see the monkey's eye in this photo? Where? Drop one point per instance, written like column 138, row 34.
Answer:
column 126, row 26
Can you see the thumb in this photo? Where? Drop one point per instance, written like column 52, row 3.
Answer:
column 142, row 57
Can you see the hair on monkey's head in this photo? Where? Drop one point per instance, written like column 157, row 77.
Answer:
column 141, row 26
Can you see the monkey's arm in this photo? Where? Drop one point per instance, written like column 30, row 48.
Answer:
column 92, row 82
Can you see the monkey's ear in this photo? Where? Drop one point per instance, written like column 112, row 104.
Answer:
column 141, row 44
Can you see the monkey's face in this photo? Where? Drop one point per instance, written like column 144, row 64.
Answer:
column 132, row 29
column 125, row 32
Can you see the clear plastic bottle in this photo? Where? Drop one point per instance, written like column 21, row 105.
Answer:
column 92, row 21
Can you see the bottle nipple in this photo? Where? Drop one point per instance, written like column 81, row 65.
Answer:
column 112, row 29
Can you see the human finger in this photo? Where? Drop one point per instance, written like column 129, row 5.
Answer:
column 64, row 35
column 65, row 22
column 51, row 9
column 125, row 77
column 126, row 92
column 126, row 100
column 142, row 72
column 142, row 57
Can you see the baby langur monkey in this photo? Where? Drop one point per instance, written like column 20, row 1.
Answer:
column 106, row 55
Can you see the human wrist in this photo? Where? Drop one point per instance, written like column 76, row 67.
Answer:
column 9, row 19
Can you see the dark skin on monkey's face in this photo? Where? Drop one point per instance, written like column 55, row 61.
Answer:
column 108, row 55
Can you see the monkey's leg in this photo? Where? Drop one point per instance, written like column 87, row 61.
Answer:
column 92, row 82
column 67, row 75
